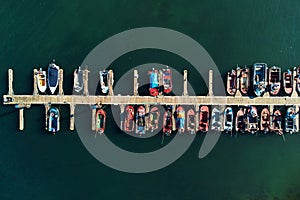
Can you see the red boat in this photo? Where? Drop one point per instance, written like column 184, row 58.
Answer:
column 191, row 124
column 274, row 80
column 265, row 120
column 245, row 80
column 129, row 119
column 168, row 123
column 240, row 121
column 154, row 115
column 288, row 82
column 276, row 122
column 204, row 119
column 100, row 121
column 140, row 120
column 167, row 80
column 231, row 82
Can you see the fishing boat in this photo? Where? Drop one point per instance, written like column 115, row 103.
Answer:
column 100, row 121
column 298, row 78
column 274, row 80
column 244, row 80
column 167, row 80
column 216, row 119
column 204, row 119
column 288, row 82
column 53, row 120
column 191, row 121
column 259, row 78
column 154, row 86
column 180, row 119
column 167, row 123
column 53, row 76
column 41, row 80
column 154, row 115
column 104, row 81
column 231, row 82
column 129, row 119
column 265, row 120
column 228, row 119
column 240, row 121
column 290, row 120
column 140, row 120
column 252, row 120
column 276, row 122
column 78, row 79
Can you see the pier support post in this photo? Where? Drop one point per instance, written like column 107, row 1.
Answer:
column 122, row 109
column 295, row 79
column 197, row 117
column 94, row 107
column 210, row 83
column 185, row 83
column 72, row 117
column 10, row 82
column 147, row 117
column 47, row 108
column 86, row 82
column 35, row 87
column 238, row 83
column 61, row 79
column 173, row 118
column 110, row 82
column 135, row 82
column 21, row 119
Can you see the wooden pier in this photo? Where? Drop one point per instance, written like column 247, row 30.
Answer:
column 25, row 101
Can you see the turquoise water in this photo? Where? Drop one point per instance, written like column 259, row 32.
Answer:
column 36, row 165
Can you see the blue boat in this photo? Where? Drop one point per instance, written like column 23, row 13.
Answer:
column 180, row 119
column 290, row 120
column 153, row 82
column 259, row 78
column 53, row 73
column 53, row 121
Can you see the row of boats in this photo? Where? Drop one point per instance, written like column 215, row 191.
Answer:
column 264, row 80
column 247, row 119
column 50, row 79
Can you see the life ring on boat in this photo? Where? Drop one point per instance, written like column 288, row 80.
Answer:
column 153, row 92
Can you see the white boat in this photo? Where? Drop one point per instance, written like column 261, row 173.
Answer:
column 78, row 79
column 228, row 119
column 104, row 81
column 41, row 80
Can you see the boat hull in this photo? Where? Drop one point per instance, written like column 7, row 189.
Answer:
column 78, row 80
column 191, row 121
column 53, row 120
column 167, row 123
column 231, row 82
column 203, row 119
column 129, row 119
column 53, row 77
column 180, row 119
column 41, row 80
column 265, row 120
column 288, row 82
column 290, row 120
column 154, row 116
column 167, row 80
column 252, row 120
column 259, row 78
column 240, row 121
column 277, row 122
column 140, row 120
column 228, row 119
column 244, row 80
column 274, row 80
column 100, row 121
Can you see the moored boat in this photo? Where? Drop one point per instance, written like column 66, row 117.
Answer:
column 216, row 119
column 259, row 78
column 140, row 120
column 53, row 120
column 100, row 121
column 274, row 80
column 167, row 122
column 104, row 81
column 53, row 77
column 240, row 121
column 191, row 121
column 180, row 119
column 154, row 116
column 252, row 120
column 167, row 80
column 288, row 82
column 244, row 80
column 78, row 79
column 129, row 119
column 265, row 120
column 154, row 86
column 41, row 80
column 290, row 120
column 231, row 82
column 298, row 78
column 228, row 119
column 276, row 122
column 204, row 119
